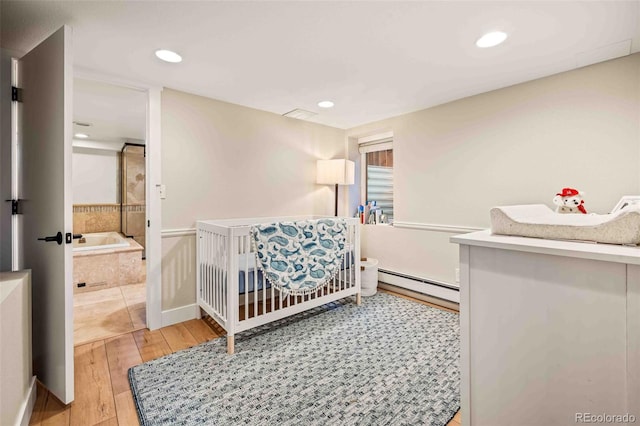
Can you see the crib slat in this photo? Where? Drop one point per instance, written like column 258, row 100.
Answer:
column 207, row 267
column 217, row 291
column 352, row 254
column 200, row 256
column 202, row 259
column 352, row 259
column 241, row 243
column 215, row 288
column 264, row 290
column 215, row 284
column 213, row 270
column 202, row 264
column 224, row 279
column 273, row 295
column 255, row 279
column 252, row 295
column 214, row 274
column 215, row 242
column 225, row 282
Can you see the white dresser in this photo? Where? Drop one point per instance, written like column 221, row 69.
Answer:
column 550, row 331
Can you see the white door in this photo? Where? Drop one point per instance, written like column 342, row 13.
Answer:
column 45, row 76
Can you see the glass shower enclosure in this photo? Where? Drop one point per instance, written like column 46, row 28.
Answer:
column 133, row 197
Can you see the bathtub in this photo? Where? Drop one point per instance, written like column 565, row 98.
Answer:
column 100, row 241
column 106, row 259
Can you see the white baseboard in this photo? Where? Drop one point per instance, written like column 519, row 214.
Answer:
column 181, row 314
column 420, row 296
column 435, row 290
column 26, row 408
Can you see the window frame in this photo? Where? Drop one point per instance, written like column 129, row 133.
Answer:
column 367, row 144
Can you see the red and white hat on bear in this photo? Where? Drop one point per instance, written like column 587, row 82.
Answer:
column 568, row 192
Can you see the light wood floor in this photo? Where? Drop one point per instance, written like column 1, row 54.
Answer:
column 102, row 392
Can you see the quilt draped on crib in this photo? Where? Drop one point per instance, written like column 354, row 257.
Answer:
column 300, row 257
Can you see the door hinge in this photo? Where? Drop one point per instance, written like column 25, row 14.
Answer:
column 16, row 206
column 16, row 94
column 148, row 224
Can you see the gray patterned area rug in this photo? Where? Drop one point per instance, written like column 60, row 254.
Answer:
column 390, row 361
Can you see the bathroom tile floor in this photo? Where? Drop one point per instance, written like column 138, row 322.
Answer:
column 109, row 312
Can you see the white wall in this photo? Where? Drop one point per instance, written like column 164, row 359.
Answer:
column 517, row 145
column 221, row 160
column 95, row 176
column 452, row 163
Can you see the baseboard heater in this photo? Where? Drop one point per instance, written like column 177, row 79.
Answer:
column 440, row 290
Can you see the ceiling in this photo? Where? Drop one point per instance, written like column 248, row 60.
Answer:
column 115, row 114
column 373, row 59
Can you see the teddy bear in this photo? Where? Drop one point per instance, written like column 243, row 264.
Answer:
column 569, row 201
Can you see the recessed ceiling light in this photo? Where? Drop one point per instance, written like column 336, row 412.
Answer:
column 325, row 104
column 81, row 135
column 168, row 56
column 491, row 39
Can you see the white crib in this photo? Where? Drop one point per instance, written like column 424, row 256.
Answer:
column 236, row 294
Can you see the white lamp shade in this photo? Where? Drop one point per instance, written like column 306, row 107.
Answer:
column 341, row 172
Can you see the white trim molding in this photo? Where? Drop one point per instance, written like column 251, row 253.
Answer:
column 26, row 408
column 375, row 137
column 428, row 287
column 154, row 209
column 420, row 296
column 452, row 229
column 179, row 232
column 181, row 314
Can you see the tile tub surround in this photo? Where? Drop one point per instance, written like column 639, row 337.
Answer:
column 92, row 218
column 107, row 267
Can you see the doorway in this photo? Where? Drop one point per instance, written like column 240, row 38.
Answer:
column 109, row 210
column 41, row 118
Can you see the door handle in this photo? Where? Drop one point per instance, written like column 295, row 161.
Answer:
column 57, row 238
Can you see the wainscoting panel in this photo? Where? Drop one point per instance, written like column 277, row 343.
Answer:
column 178, row 270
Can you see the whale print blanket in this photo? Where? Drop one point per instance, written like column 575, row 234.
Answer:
column 300, row 257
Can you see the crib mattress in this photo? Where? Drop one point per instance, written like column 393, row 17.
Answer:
column 539, row 221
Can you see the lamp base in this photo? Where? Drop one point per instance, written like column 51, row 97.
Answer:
column 336, row 210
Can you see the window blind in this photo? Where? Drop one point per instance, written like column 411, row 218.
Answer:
column 380, row 188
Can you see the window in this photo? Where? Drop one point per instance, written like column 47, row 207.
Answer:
column 377, row 182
